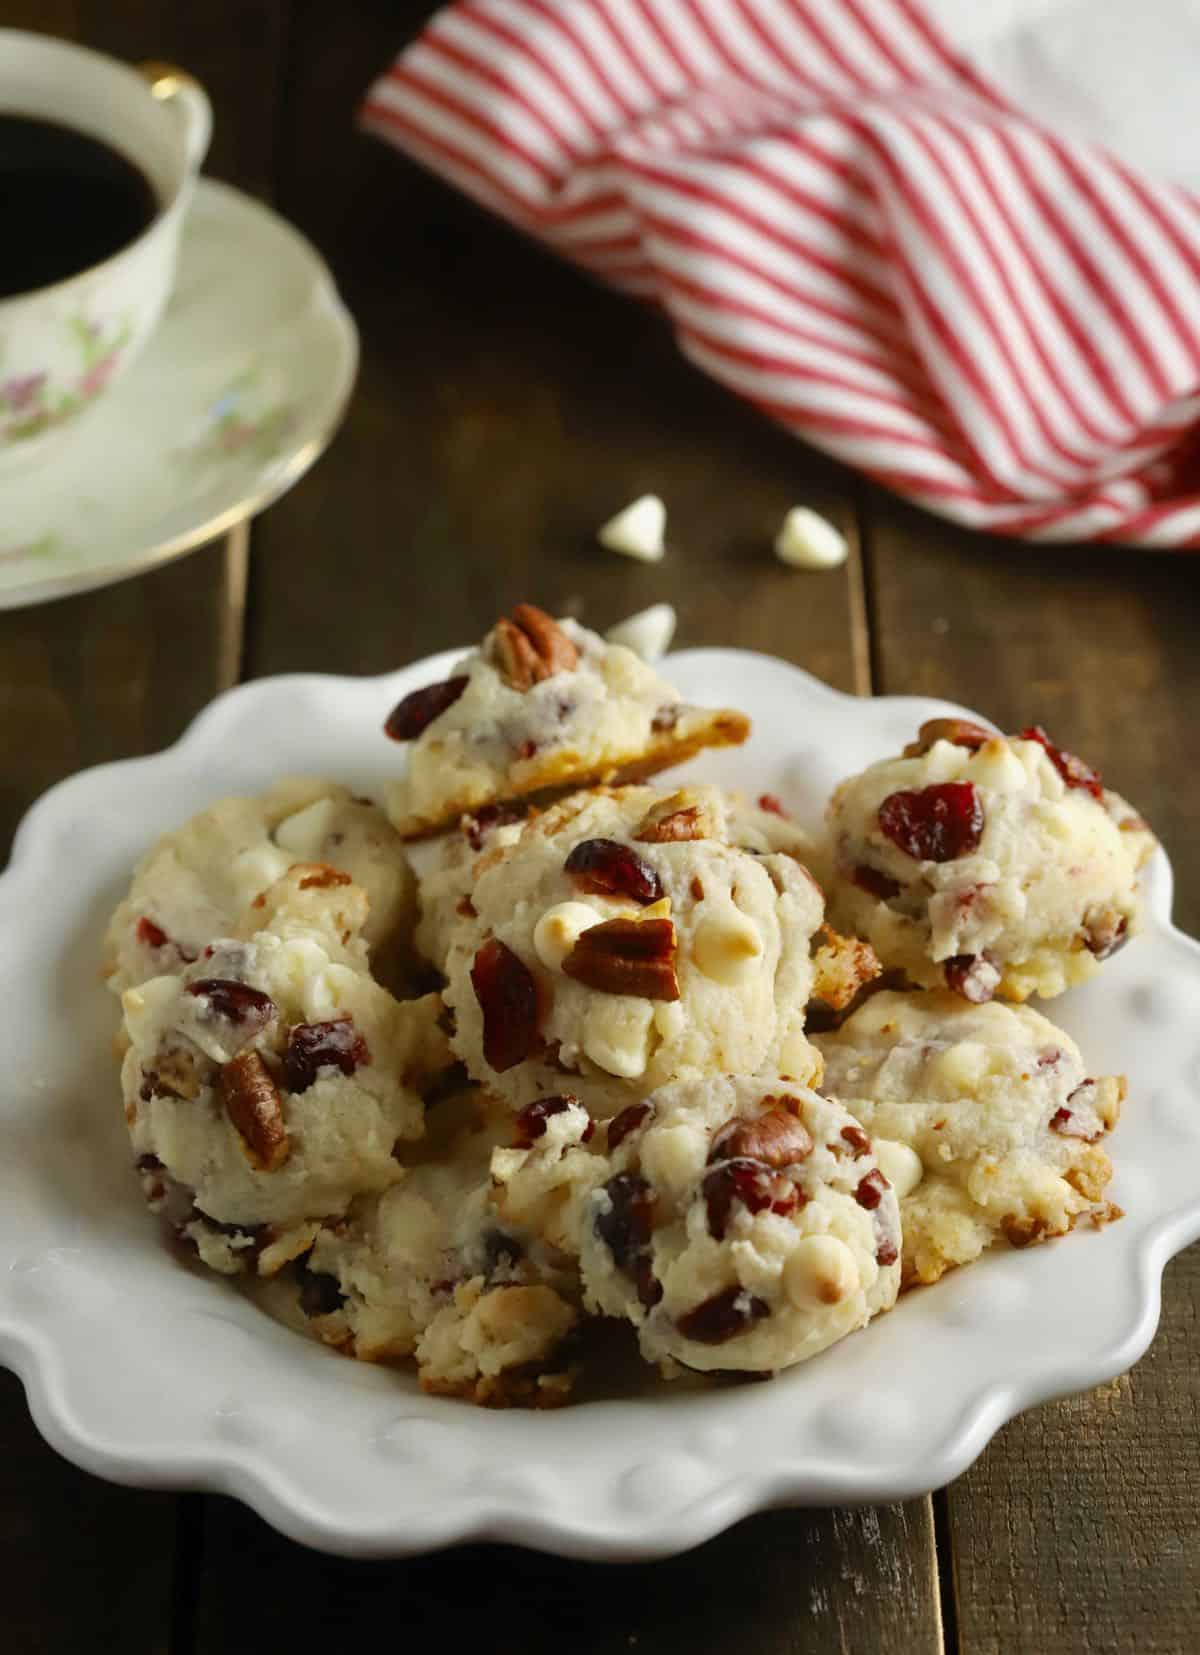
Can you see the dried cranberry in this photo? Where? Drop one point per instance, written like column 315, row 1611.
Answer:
column 871, row 1189
column 149, row 1163
column 500, row 1249
column 627, row 1226
column 1072, row 770
column 315, row 1046
column 879, row 885
column 481, row 822
column 722, row 1317
column 857, row 1139
column 531, row 1122
column 153, row 936
column 606, row 868
column 773, row 804
column 320, row 1294
column 508, row 999
column 933, row 824
column 750, row 1182
column 629, row 1120
column 236, row 1002
column 412, row 716
column 974, row 976
column 649, row 1288
column 886, row 1253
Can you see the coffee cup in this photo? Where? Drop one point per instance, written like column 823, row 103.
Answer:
column 64, row 344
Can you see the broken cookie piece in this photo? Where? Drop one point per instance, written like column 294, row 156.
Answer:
column 542, row 707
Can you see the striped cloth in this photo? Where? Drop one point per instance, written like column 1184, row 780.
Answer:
column 846, row 225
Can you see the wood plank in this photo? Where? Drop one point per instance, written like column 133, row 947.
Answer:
column 107, row 675
column 1078, row 1530
column 87, row 1565
column 784, row 1583
column 506, row 407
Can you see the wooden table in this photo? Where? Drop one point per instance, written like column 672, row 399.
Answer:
column 506, row 406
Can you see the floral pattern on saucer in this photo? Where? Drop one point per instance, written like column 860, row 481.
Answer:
column 31, row 403
column 242, row 384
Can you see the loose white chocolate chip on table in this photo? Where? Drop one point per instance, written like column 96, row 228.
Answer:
column 726, row 947
column 900, row 1165
column 808, row 541
column 638, row 530
column 559, row 929
column 821, row 1270
column 648, row 633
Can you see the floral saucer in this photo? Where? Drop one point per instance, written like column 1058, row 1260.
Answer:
column 242, row 386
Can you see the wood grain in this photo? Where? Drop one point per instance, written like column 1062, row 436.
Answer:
column 1078, row 1530
column 783, row 1583
column 506, row 407
column 111, row 674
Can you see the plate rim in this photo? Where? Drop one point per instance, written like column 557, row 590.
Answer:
column 576, row 1531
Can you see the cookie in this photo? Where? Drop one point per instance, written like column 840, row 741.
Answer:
column 985, row 1118
column 986, row 864
column 626, row 939
column 430, row 1269
column 193, row 884
column 742, row 1225
column 542, row 706
column 269, row 1083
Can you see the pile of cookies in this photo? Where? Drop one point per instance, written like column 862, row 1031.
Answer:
column 675, row 1066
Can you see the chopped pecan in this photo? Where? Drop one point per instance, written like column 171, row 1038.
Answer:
column 680, row 816
column 842, row 966
column 1105, row 930
column 253, row 1104
column 319, row 876
column 626, row 956
column 777, row 1138
column 959, row 731
column 530, row 646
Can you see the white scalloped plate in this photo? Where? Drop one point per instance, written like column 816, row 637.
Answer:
column 145, row 1372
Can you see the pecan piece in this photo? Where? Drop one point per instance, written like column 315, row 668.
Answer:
column 776, row 1138
column 319, row 876
column 626, row 956
column 530, row 646
column 960, row 731
column 680, row 816
column 253, row 1104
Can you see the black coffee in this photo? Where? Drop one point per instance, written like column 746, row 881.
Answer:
column 67, row 202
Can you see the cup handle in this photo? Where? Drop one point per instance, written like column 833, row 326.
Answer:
column 185, row 95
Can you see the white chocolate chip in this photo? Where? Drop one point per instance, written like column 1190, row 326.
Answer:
column 821, row 1270
column 900, row 1165
column 799, row 1059
column 808, row 541
column 648, row 633
column 637, row 531
column 559, row 929
column 727, row 947
column 305, row 833
column 616, row 1034
column 995, row 765
column 261, row 866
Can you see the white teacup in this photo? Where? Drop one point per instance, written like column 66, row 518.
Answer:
column 63, row 346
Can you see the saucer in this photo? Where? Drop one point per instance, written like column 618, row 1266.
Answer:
column 241, row 388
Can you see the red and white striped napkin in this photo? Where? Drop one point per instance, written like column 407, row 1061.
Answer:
column 846, row 224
